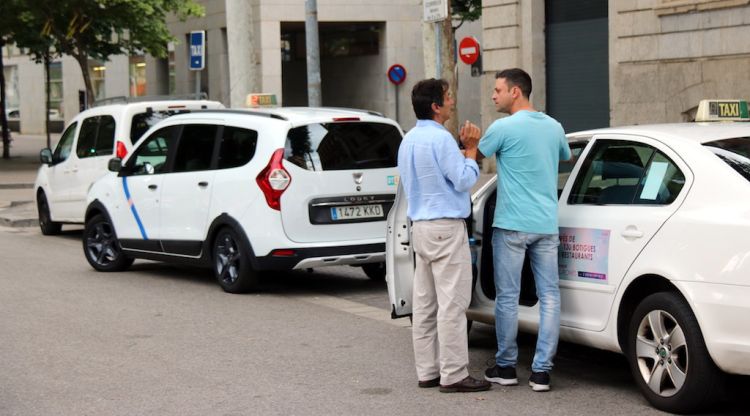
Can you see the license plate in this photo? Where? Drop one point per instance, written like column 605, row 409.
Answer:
column 356, row 211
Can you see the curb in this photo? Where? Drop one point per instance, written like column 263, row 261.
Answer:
column 18, row 214
column 16, row 185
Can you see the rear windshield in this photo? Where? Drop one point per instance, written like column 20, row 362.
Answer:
column 144, row 121
column 735, row 152
column 343, row 146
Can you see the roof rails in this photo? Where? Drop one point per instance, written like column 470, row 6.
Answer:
column 245, row 112
column 354, row 110
column 125, row 100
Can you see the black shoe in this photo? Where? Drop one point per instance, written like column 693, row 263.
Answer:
column 467, row 385
column 425, row 384
column 504, row 376
column 539, row 381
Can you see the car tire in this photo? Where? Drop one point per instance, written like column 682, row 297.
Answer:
column 46, row 224
column 375, row 271
column 668, row 356
column 101, row 246
column 231, row 263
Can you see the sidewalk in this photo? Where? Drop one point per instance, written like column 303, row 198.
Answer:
column 17, row 176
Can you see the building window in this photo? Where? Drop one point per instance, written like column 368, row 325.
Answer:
column 337, row 40
column 11, row 92
column 137, row 73
column 55, row 90
column 98, row 72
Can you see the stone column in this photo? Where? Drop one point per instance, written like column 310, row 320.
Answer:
column 244, row 47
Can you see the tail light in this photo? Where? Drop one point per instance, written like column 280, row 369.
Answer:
column 274, row 179
column 122, row 151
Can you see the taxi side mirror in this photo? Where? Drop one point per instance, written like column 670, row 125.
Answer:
column 115, row 164
column 45, row 156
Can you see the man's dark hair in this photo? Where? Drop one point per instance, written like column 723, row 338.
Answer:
column 516, row 77
column 425, row 93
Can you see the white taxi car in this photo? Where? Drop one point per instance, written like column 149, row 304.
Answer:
column 654, row 254
column 247, row 191
column 110, row 128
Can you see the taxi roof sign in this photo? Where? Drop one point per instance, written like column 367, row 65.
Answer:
column 255, row 100
column 722, row 110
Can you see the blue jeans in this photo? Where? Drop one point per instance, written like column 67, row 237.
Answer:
column 509, row 249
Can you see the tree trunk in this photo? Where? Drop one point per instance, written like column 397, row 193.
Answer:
column 3, row 114
column 83, row 62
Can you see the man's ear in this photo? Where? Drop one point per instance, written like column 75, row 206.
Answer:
column 435, row 108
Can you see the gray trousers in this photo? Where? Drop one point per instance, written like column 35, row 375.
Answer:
column 442, row 292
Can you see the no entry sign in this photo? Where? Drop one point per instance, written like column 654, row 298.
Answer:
column 468, row 50
column 397, row 74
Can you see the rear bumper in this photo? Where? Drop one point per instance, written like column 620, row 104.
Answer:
column 304, row 258
column 722, row 312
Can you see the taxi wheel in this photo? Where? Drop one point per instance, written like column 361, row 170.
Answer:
column 231, row 263
column 668, row 357
column 48, row 226
column 375, row 271
column 101, row 247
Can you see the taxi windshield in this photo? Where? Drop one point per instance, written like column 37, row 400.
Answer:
column 735, row 152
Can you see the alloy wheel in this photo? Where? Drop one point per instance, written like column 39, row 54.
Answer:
column 662, row 353
column 102, row 244
column 227, row 259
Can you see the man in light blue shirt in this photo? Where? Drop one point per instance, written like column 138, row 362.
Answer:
column 437, row 177
column 528, row 146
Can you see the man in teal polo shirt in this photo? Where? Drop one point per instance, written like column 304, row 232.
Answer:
column 528, row 146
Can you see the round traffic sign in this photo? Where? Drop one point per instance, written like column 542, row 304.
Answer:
column 468, row 50
column 397, row 74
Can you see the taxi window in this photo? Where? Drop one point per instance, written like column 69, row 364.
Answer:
column 143, row 121
column 566, row 166
column 619, row 172
column 62, row 151
column 237, row 147
column 196, row 147
column 734, row 152
column 343, row 146
column 151, row 156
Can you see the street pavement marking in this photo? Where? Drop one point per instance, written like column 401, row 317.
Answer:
column 355, row 308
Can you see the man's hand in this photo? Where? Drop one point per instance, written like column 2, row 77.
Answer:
column 469, row 135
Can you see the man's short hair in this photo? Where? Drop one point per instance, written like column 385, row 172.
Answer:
column 425, row 93
column 516, row 77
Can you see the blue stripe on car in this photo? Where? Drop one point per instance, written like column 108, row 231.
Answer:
column 132, row 208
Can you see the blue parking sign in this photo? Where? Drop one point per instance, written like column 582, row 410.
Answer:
column 197, row 50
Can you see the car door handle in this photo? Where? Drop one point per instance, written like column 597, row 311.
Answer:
column 203, row 184
column 152, row 187
column 632, row 232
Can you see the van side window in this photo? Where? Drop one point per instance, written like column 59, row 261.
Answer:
column 62, row 151
column 86, row 146
column 619, row 172
column 97, row 137
column 195, row 148
column 237, row 147
column 566, row 166
column 151, row 156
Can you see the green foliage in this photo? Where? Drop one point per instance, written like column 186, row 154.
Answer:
column 101, row 28
column 466, row 10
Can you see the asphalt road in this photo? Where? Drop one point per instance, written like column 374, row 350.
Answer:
column 165, row 340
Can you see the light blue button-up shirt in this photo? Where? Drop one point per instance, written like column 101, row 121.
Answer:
column 435, row 175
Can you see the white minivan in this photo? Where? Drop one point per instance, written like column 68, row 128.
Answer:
column 248, row 191
column 86, row 145
column 653, row 254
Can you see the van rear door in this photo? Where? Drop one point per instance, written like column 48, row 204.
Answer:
column 343, row 180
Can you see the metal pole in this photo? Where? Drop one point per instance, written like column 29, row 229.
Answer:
column 313, row 53
column 198, row 84
column 397, row 104
column 438, row 63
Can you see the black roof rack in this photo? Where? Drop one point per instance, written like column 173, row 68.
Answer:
column 126, row 100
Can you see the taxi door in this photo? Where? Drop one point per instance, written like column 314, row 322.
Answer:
column 399, row 257
column 622, row 193
column 141, row 187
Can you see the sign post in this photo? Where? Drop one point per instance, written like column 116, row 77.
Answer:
column 197, row 56
column 436, row 11
column 397, row 75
